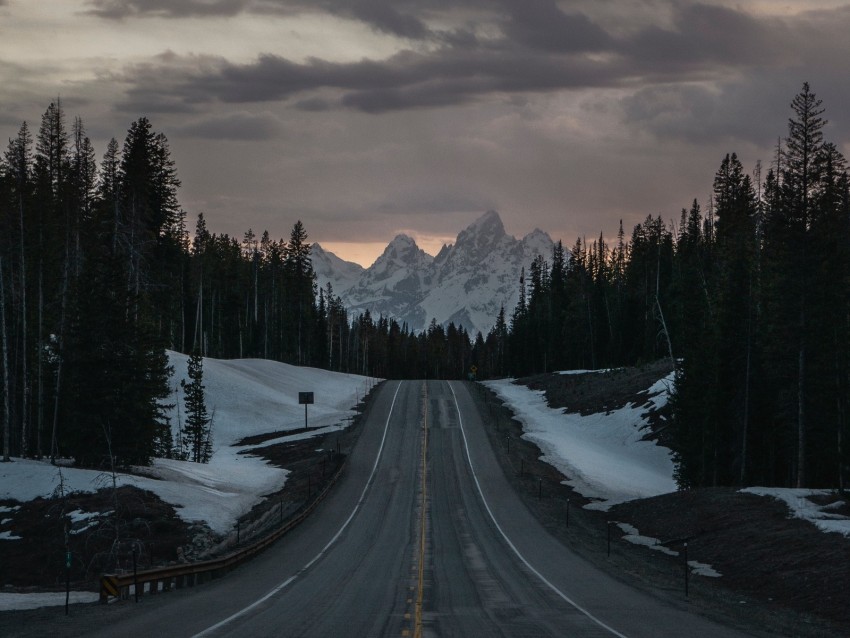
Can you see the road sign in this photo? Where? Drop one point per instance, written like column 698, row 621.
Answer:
column 305, row 398
column 109, row 585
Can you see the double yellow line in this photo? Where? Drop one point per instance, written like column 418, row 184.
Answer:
column 417, row 631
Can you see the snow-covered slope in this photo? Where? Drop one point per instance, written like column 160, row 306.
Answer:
column 331, row 269
column 392, row 285
column 247, row 397
column 466, row 283
column 603, row 455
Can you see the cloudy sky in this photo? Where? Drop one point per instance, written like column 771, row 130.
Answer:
column 366, row 118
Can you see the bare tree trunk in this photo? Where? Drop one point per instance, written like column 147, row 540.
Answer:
column 54, row 444
column 840, row 411
column 199, row 317
column 5, row 353
column 40, row 362
column 25, row 351
column 746, row 425
column 661, row 312
column 801, row 409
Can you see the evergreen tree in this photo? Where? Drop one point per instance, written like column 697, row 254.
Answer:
column 196, row 433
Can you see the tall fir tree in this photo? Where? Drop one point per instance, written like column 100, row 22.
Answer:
column 197, row 431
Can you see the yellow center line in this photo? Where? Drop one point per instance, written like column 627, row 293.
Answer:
column 417, row 632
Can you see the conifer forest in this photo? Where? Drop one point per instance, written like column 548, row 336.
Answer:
column 747, row 295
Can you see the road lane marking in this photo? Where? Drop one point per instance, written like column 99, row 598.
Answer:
column 417, row 629
column 542, row 578
column 209, row 630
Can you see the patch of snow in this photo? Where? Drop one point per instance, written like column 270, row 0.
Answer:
column 801, row 506
column 289, row 438
column 8, row 536
column 4, row 509
column 600, row 371
column 632, row 535
column 79, row 515
column 89, row 518
column 9, row 601
column 701, row 569
column 603, row 454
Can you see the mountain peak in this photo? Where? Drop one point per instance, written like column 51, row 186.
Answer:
column 401, row 252
column 488, row 222
column 402, row 241
column 484, row 236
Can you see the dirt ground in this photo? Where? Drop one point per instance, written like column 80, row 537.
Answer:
column 780, row 576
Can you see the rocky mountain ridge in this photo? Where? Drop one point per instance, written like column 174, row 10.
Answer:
column 466, row 283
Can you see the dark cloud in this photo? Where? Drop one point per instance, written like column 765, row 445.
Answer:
column 705, row 36
column 232, row 126
column 382, row 15
column 704, row 76
column 385, row 17
column 407, row 80
column 121, row 9
column 314, row 105
column 541, row 24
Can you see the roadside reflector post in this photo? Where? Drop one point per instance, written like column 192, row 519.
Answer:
column 135, row 575
column 685, row 552
column 67, row 580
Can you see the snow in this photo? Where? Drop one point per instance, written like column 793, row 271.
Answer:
column 246, row 397
column 467, row 283
column 8, row 536
column 800, row 506
column 602, row 454
column 9, row 601
column 600, row 371
column 632, row 535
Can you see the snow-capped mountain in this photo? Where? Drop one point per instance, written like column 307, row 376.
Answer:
column 466, row 283
column 329, row 268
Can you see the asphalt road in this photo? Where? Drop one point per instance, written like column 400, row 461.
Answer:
column 422, row 536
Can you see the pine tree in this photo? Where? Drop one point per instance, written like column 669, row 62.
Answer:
column 196, row 432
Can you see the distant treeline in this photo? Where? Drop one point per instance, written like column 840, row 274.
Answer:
column 99, row 275
column 749, row 297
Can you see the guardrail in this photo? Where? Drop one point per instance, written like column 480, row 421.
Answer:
column 163, row 579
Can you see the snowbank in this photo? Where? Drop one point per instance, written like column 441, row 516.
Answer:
column 247, row 397
column 800, row 506
column 10, row 601
column 602, row 454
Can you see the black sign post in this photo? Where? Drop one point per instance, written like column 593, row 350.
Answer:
column 305, row 398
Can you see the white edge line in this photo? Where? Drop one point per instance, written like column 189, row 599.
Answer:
column 542, row 578
column 209, row 630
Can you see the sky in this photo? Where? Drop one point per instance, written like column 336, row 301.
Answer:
column 369, row 118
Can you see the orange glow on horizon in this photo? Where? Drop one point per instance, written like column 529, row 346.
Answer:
column 366, row 252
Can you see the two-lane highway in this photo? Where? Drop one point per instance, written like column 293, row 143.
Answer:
column 423, row 536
